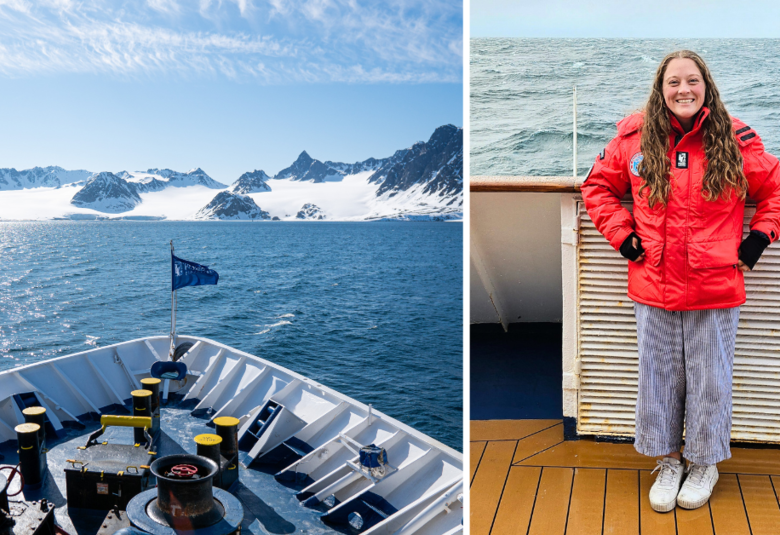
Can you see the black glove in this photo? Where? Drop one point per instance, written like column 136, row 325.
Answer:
column 629, row 251
column 751, row 248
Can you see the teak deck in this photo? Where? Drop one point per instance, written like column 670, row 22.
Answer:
column 526, row 480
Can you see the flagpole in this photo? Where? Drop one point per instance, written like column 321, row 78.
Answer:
column 173, row 311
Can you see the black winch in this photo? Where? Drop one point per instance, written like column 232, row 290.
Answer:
column 185, row 499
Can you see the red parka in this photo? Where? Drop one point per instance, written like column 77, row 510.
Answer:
column 690, row 244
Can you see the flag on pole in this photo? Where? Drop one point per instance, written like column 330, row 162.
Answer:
column 185, row 273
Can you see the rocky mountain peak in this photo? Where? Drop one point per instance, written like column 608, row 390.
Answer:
column 310, row 211
column 106, row 192
column 252, row 182
column 228, row 205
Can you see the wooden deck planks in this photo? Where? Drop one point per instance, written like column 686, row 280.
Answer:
column 752, row 461
column 760, row 503
column 538, row 442
column 517, row 501
column 728, row 511
column 586, row 507
column 621, row 505
column 589, row 454
column 507, row 429
column 552, row 502
column 489, row 484
column 651, row 521
column 476, row 449
column 695, row 521
column 540, row 484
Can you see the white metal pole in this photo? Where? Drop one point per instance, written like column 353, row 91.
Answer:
column 575, row 132
column 173, row 312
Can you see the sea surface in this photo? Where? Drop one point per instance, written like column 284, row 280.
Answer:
column 521, row 95
column 373, row 310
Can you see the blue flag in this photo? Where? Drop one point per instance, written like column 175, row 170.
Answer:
column 184, row 273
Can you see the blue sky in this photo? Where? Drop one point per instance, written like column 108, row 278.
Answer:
column 626, row 19
column 228, row 86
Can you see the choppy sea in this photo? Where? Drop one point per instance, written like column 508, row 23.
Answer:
column 373, row 310
column 521, row 95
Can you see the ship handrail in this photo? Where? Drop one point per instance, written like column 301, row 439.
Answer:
column 524, row 184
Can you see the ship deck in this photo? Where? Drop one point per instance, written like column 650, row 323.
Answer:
column 526, row 479
column 269, row 507
column 300, row 445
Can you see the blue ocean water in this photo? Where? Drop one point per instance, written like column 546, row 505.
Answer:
column 521, row 95
column 373, row 310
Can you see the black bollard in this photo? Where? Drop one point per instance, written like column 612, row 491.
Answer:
column 37, row 415
column 208, row 446
column 32, row 468
column 152, row 384
column 227, row 429
column 142, row 406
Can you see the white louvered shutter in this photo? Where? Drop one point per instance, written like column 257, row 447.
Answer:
column 607, row 353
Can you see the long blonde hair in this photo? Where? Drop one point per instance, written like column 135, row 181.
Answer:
column 723, row 172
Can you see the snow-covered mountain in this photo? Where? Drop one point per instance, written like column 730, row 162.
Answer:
column 422, row 182
column 310, row 211
column 437, row 164
column 159, row 179
column 252, row 182
column 106, row 192
column 39, row 177
column 308, row 169
column 227, row 205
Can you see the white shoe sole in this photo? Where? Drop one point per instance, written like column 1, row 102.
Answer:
column 664, row 507
column 685, row 504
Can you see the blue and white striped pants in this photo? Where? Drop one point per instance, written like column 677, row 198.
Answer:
column 685, row 366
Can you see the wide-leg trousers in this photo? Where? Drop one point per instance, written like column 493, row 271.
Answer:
column 686, row 361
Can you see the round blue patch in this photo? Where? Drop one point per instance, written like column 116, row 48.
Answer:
column 634, row 163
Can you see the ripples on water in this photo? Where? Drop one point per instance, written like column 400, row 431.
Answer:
column 521, row 95
column 373, row 310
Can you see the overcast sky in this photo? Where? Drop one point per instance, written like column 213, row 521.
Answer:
column 226, row 85
column 625, row 18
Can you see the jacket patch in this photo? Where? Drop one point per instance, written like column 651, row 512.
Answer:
column 751, row 135
column 682, row 160
column 603, row 154
column 633, row 165
column 742, row 130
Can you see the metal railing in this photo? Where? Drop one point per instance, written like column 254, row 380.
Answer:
column 519, row 184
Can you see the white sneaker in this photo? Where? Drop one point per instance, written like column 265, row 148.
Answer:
column 698, row 486
column 663, row 493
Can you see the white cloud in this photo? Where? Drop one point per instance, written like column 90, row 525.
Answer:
column 243, row 6
column 279, row 6
column 281, row 41
column 315, row 9
column 164, row 6
column 16, row 5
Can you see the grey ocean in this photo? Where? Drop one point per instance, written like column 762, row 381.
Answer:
column 373, row 310
column 521, row 95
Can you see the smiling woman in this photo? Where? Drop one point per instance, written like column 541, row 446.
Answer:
column 696, row 164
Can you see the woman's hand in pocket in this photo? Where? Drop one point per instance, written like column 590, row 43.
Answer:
column 641, row 257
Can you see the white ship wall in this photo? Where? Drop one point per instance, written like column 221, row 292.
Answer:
column 515, row 258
